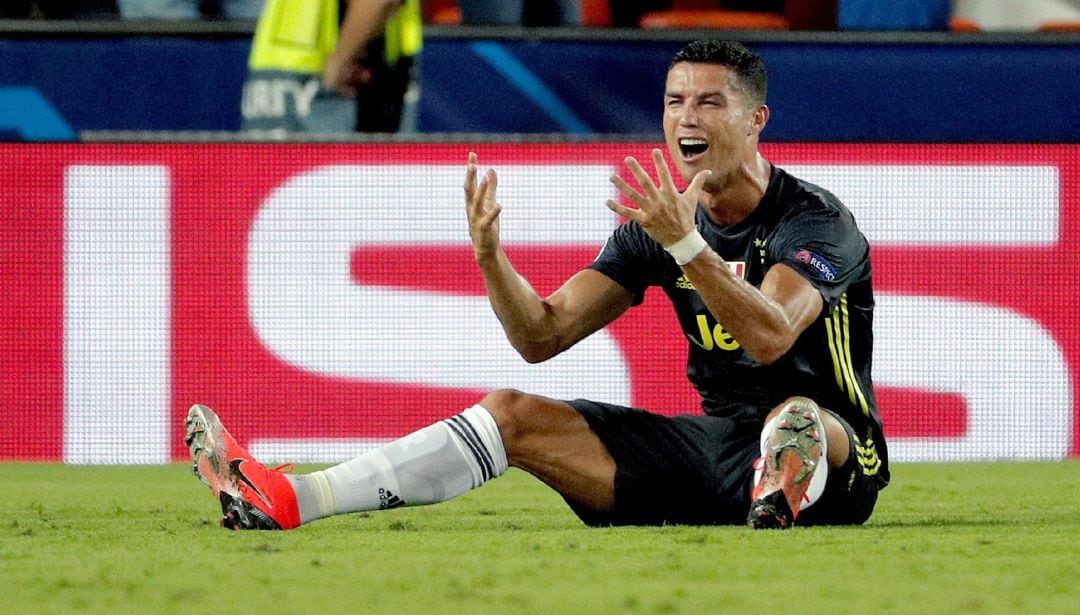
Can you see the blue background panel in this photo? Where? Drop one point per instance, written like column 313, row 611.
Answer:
column 819, row 91
column 139, row 83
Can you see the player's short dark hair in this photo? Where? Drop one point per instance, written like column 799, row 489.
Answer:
column 746, row 64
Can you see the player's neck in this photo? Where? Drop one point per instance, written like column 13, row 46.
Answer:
column 741, row 193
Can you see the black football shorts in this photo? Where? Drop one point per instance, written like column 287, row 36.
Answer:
column 698, row 470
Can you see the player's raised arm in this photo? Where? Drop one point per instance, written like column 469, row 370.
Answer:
column 766, row 321
column 537, row 328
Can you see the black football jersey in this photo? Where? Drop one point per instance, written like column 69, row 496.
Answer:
column 808, row 229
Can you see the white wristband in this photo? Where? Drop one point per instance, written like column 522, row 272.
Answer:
column 685, row 249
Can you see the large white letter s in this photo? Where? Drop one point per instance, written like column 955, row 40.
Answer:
column 308, row 311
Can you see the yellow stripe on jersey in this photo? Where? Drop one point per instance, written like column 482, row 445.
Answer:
column 847, row 355
column 832, row 350
column 836, row 343
column 838, row 329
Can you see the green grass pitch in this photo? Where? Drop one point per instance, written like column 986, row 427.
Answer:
column 947, row 538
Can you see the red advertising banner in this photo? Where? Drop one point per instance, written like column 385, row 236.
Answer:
column 323, row 298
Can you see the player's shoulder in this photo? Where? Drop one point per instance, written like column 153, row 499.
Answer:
column 807, row 194
column 801, row 194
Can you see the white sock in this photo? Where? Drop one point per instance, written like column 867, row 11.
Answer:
column 434, row 464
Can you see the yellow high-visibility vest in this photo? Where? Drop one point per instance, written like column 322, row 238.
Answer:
column 403, row 32
column 299, row 35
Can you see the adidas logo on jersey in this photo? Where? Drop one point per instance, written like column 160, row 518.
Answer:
column 388, row 500
column 736, row 267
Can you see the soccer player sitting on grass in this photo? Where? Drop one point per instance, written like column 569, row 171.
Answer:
column 770, row 279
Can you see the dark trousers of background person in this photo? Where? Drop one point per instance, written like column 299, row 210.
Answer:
column 381, row 101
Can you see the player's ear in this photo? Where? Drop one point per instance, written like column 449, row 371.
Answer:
column 760, row 118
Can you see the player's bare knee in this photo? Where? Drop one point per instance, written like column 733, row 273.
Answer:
column 525, row 422
column 509, row 408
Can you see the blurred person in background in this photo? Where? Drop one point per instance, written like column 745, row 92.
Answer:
column 520, row 12
column 189, row 9
column 334, row 66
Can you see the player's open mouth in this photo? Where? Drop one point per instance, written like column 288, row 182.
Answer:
column 691, row 149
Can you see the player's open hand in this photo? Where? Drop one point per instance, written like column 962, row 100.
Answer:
column 482, row 209
column 666, row 214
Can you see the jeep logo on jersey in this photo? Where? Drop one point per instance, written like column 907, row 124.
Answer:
column 738, row 268
column 824, row 268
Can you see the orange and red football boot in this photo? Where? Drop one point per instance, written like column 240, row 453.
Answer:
column 252, row 496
